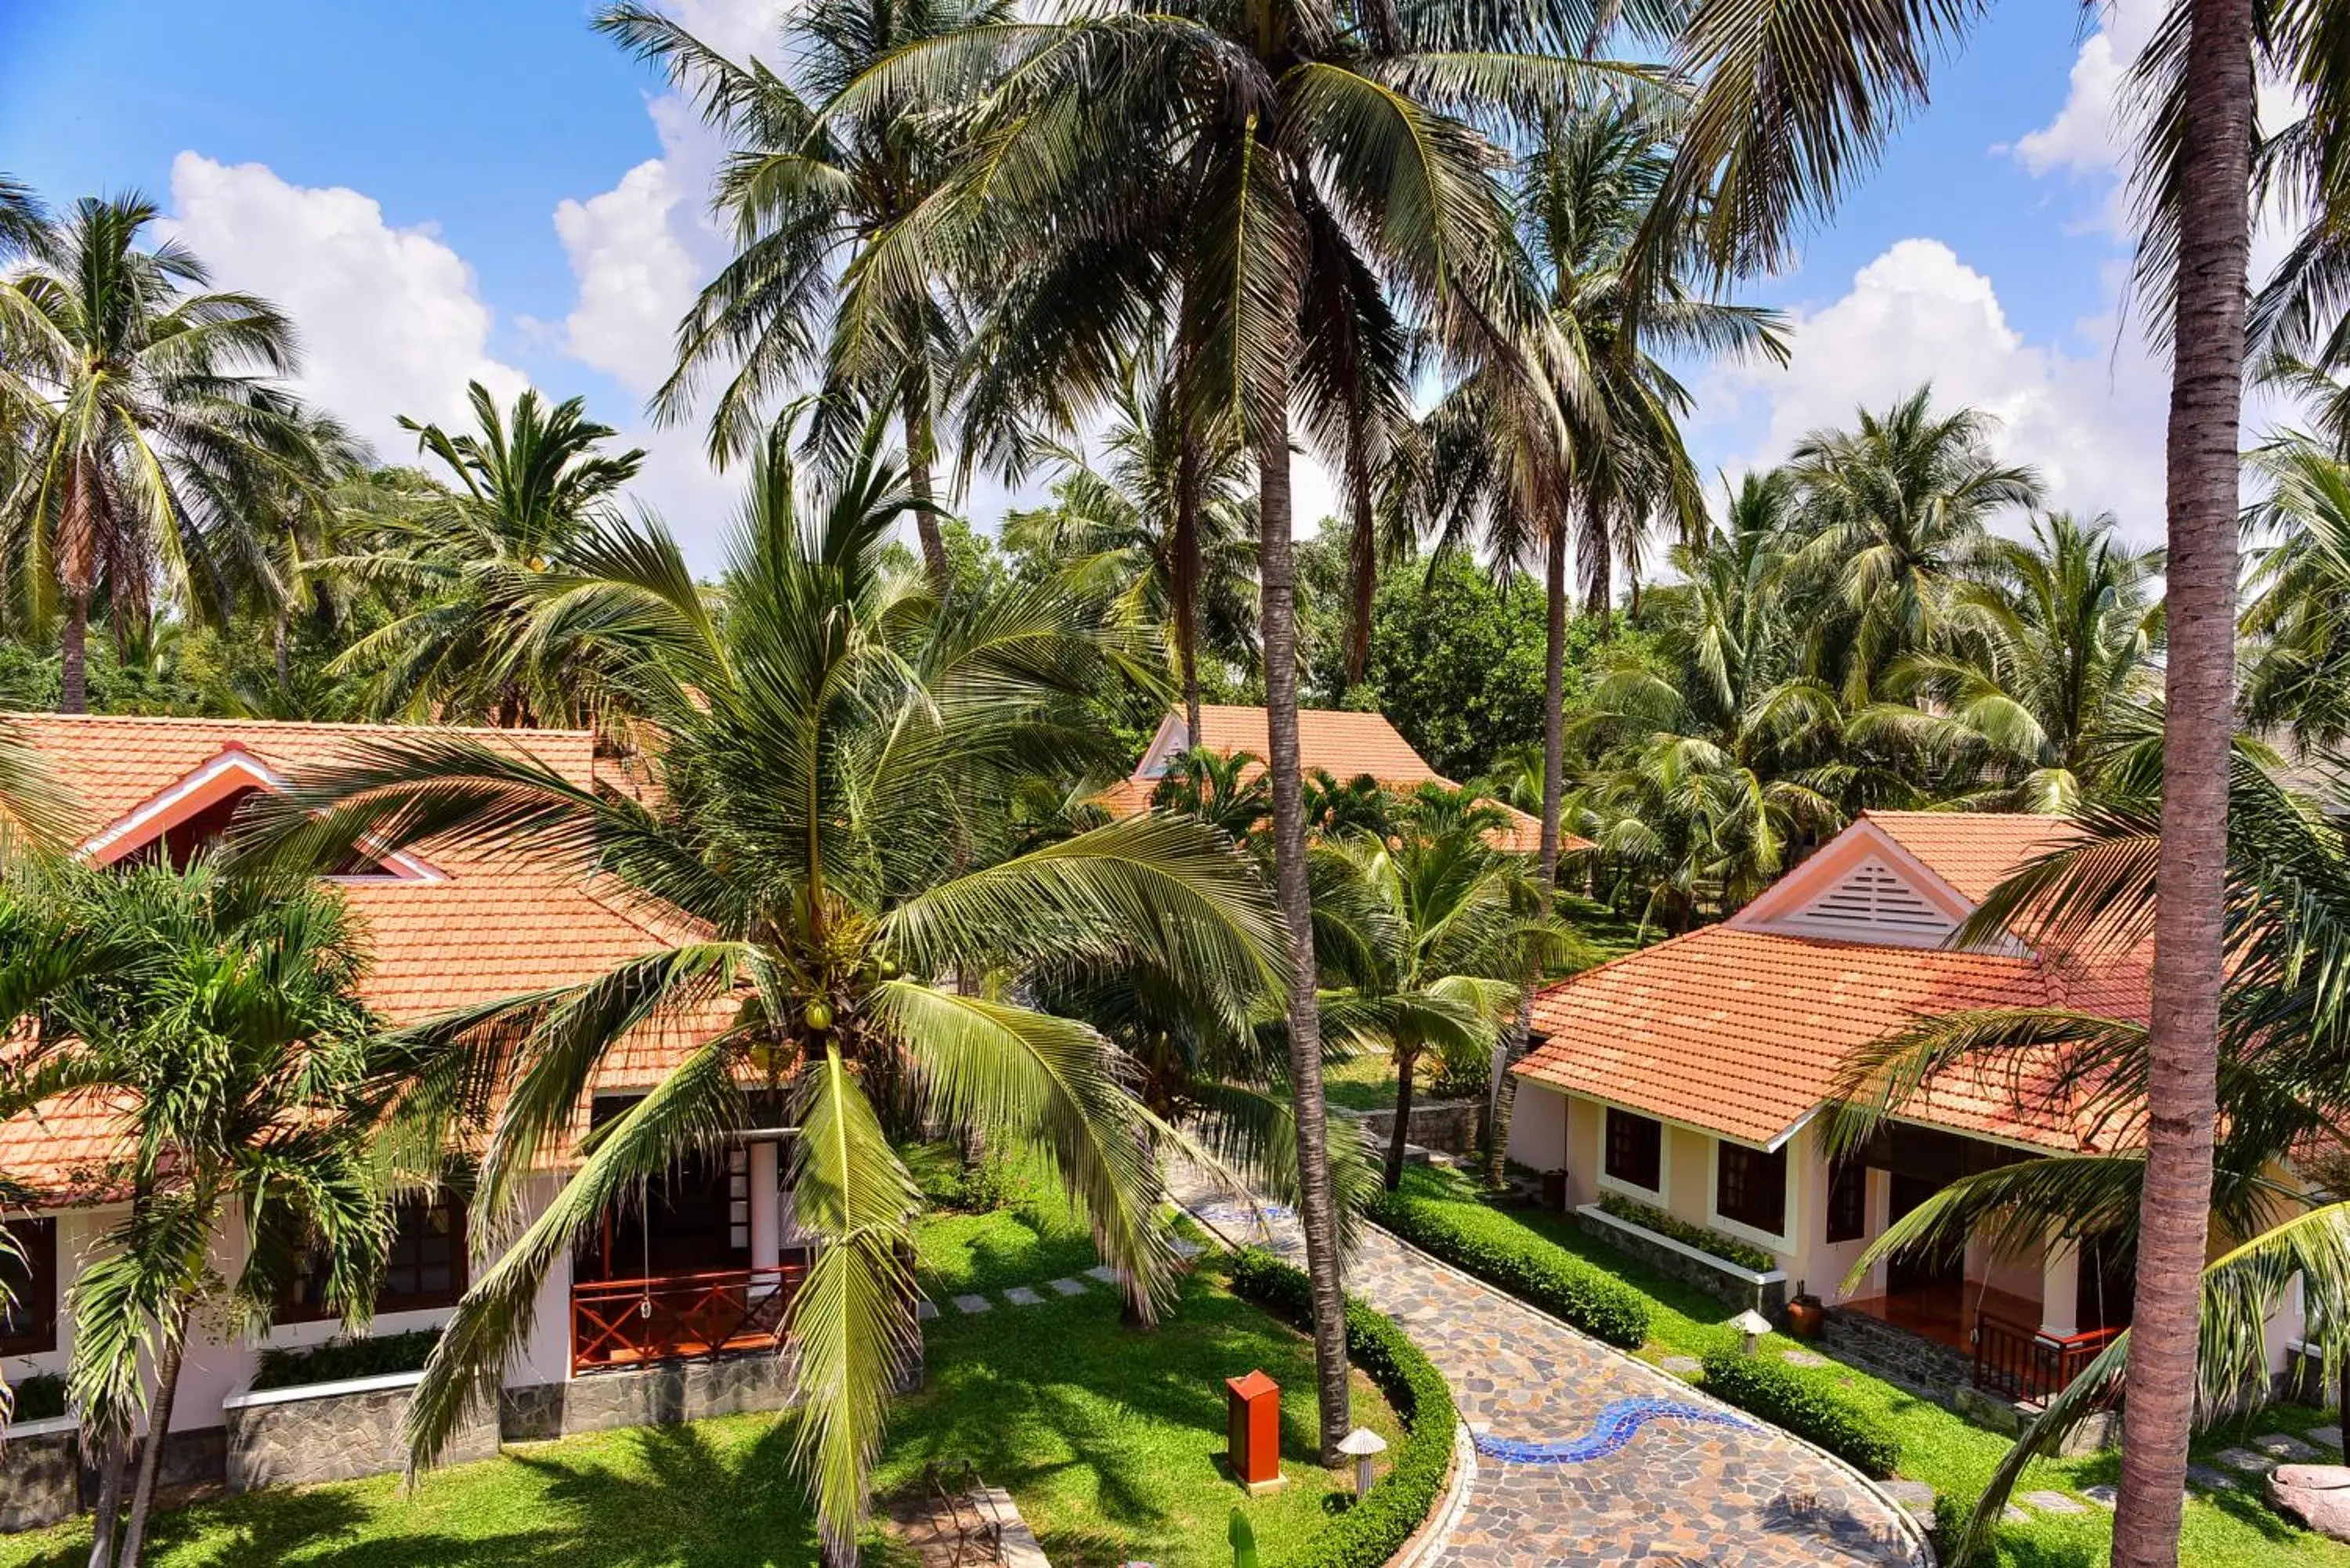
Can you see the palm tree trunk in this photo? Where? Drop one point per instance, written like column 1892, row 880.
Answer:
column 1407, row 1061
column 73, row 654
column 1183, row 575
column 115, row 1464
column 158, row 1433
column 280, row 655
column 2199, row 685
column 1316, row 1205
column 1502, row 1094
column 921, row 448
column 1362, row 568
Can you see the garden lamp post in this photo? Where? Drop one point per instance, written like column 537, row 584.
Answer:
column 1364, row 1445
column 1754, row 1325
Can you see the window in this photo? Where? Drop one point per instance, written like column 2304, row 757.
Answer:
column 1636, row 1149
column 28, row 1325
column 1751, row 1187
column 1847, row 1201
column 424, row 1269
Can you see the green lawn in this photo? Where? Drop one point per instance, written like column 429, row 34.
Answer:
column 1034, row 1236
column 1952, row 1455
column 1110, row 1439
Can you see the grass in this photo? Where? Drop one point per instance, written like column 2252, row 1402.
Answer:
column 1364, row 1081
column 1110, row 1438
column 1948, row 1452
column 1032, row 1235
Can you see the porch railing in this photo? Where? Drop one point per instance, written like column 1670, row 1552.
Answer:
column 2029, row 1366
column 680, row 1317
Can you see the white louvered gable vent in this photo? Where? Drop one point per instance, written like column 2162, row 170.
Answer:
column 1872, row 902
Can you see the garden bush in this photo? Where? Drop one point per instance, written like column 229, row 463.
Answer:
column 1728, row 1248
column 1813, row 1414
column 39, row 1398
column 1501, row 1251
column 1369, row 1533
column 340, row 1358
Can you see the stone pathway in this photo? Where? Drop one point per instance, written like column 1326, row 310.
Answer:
column 1588, row 1459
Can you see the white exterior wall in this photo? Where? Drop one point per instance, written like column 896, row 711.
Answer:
column 1538, row 1127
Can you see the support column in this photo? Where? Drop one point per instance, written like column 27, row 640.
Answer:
column 766, row 1212
column 2060, row 1290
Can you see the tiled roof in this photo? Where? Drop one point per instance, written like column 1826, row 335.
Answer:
column 1973, row 851
column 1344, row 744
column 1740, row 1031
column 496, row 926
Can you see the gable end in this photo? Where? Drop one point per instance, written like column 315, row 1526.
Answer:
column 1871, row 902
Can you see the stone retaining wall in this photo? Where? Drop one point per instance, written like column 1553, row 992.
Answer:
column 1768, row 1298
column 1448, row 1127
column 334, row 1431
column 652, row 1396
column 40, row 1477
column 1914, row 1361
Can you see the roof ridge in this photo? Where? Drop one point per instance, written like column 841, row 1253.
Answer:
column 344, row 726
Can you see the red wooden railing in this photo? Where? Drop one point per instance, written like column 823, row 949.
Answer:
column 680, row 1317
column 2028, row 1365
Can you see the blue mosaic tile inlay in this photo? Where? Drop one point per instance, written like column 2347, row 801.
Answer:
column 1620, row 1421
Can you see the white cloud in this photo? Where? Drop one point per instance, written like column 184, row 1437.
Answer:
column 2088, row 136
column 390, row 319
column 2090, row 420
column 636, row 276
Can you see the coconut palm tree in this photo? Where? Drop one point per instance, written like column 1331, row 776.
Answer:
column 1227, row 790
column 2297, row 625
column 1895, row 511
column 1165, row 527
column 1792, row 101
column 221, row 1018
column 2049, row 649
column 527, row 491
column 810, row 186
column 36, row 810
column 22, row 219
column 133, row 379
column 837, row 746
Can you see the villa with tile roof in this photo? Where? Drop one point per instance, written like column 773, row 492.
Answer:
column 1343, row 743
column 1689, row 1077
column 662, row 1292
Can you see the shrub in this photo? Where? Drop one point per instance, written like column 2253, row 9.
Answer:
column 1811, row 1413
column 39, row 1398
column 1728, row 1248
column 340, row 1358
column 1374, row 1529
column 1501, row 1251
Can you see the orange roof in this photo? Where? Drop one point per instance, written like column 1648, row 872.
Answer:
column 1973, row 851
column 491, row 926
column 1344, row 744
column 1740, row 1031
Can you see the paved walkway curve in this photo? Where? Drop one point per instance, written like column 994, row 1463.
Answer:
column 1582, row 1463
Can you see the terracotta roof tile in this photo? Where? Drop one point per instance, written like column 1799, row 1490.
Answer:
column 1344, row 744
column 1973, row 851
column 1740, row 1031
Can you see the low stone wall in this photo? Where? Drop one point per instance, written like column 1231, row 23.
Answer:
column 40, row 1476
column 651, row 1396
column 2095, row 1433
column 1914, row 1361
column 333, row 1432
column 1724, row 1282
column 1448, row 1127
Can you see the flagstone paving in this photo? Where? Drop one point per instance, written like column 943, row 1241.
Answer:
column 1588, row 1458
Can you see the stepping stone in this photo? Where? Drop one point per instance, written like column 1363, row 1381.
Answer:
column 1682, row 1365
column 2052, row 1503
column 2103, row 1496
column 2329, row 1436
column 1103, row 1273
column 1020, row 1295
column 1070, row 1287
column 1186, row 1248
column 925, row 1310
column 1915, row 1496
column 974, row 1303
column 2285, row 1446
column 2012, row 1514
column 1802, row 1358
column 2244, row 1459
column 2210, row 1480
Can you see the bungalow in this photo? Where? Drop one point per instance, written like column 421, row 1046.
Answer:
column 1678, row 1089
column 646, row 1322
column 1346, row 746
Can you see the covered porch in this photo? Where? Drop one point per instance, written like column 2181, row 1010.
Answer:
column 704, row 1266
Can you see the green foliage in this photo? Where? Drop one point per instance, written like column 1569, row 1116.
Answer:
column 1498, row 1250
column 1728, row 1248
column 338, row 1359
column 1773, row 1392
column 40, row 1398
column 1374, row 1529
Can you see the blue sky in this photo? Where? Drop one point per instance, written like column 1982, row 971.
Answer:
column 441, row 189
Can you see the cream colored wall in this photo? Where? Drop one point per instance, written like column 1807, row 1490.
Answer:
column 1688, row 1175
column 1585, row 1122
column 1812, row 1262
column 1538, row 1127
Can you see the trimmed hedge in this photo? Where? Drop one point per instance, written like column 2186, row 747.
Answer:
column 1503, row 1252
column 1367, row 1534
column 1784, row 1400
column 39, row 1398
column 1728, row 1248
column 340, row 1358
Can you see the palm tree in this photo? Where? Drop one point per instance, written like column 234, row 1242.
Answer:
column 835, row 744
column 1165, row 529
column 1793, row 99
column 1227, row 790
column 1439, row 932
column 36, row 810
column 1895, row 511
column 812, row 186
column 134, row 379
column 22, row 219
column 2297, row 666
column 528, row 492
column 2048, row 652
column 221, row 1018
